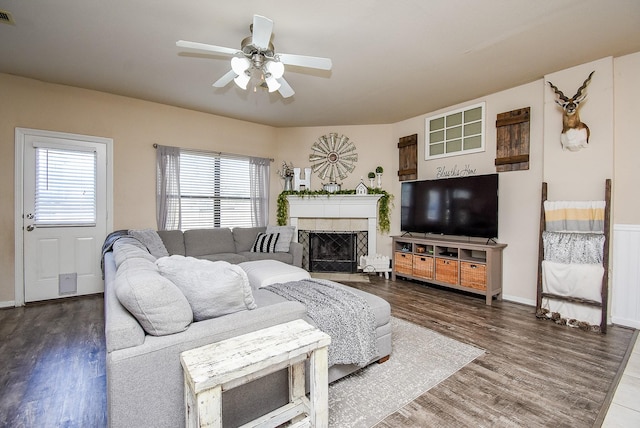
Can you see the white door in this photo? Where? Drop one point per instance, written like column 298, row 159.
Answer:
column 64, row 214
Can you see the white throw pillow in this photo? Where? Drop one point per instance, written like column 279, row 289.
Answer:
column 285, row 238
column 154, row 301
column 212, row 289
column 124, row 250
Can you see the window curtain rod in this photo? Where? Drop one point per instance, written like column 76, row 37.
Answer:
column 155, row 146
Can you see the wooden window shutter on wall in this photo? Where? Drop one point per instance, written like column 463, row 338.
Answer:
column 408, row 153
column 512, row 148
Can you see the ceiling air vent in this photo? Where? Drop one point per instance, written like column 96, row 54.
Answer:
column 6, row 18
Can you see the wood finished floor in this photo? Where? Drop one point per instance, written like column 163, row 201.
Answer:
column 533, row 374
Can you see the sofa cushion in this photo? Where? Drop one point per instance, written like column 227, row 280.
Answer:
column 249, row 256
column 124, row 249
column 244, row 237
column 137, row 264
column 286, row 236
column 265, row 243
column 154, row 301
column 212, row 289
column 266, row 272
column 201, row 242
column 151, row 240
column 225, row 257
column 173, row 241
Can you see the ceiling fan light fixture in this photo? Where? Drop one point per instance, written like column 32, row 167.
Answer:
column 242, row 80
column 275, row 68
column 272, row 83
column 240, row 64
column 257, row 65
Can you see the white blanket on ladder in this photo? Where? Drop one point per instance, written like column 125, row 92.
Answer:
column 576, row 280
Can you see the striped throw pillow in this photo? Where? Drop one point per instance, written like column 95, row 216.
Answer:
column 265, row 243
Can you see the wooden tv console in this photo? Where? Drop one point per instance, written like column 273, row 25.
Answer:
column 467, row 266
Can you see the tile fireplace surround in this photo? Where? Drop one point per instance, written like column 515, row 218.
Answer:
column 344, row 213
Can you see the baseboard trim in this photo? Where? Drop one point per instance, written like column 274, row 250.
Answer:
column 8, row 304
column 625, row 322
column 520, row 300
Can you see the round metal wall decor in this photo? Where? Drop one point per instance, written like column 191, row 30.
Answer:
column 333, row 157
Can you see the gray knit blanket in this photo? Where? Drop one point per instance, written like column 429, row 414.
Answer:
column 343, row 315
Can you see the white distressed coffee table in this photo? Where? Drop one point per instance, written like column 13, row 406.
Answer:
column 211, row 369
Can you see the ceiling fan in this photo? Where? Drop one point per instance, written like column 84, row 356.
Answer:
column 258, row 60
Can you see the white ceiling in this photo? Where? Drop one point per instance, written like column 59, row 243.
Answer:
column 392, row 60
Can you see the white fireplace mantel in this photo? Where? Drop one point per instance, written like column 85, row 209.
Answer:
column 337, row 206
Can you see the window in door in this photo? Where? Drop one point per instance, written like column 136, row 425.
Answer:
column 65, row 191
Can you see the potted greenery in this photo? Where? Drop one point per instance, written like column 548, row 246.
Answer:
column 371, row 176
column 379, row 172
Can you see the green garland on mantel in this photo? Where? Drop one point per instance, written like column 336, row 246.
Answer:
column 384, row 220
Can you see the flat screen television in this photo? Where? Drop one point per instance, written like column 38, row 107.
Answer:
column 461, row 206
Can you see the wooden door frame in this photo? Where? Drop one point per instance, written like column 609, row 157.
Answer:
column 20, row 137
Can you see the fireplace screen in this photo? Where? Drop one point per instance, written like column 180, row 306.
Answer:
column 332, row 252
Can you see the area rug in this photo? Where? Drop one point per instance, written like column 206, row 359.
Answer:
column 339, row 277
column 420, row 359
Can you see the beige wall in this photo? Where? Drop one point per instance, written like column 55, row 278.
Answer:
column 134, row 125
column 519, row 191
column 580, row 175
column 374, row 144
column 626, row 207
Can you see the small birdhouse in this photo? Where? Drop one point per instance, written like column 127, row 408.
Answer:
column 361, row 189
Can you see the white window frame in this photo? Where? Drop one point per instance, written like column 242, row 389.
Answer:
column 462, row 150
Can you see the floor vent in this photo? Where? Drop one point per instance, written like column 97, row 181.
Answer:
column 6, row 18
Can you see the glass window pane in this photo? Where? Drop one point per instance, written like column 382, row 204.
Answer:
column 235, row 213
column 436, row 149
column 454, row 119
column 454, row 132
column 435, row 137
column 65, row 187
column 454, row 146
column 473, row 142
column 474, row 128
column 436, row 124
column 215, row 191
column 473, row 114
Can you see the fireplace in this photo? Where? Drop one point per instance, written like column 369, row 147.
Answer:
column 332, row 252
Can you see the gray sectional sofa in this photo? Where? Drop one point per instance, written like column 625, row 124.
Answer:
column 230, row 245
column 144, row 375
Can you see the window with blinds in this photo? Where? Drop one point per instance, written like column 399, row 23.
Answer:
column 214, row 190
column 65, row 187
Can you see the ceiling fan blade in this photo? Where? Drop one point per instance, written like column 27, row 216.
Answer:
column 285, row 89
column 262, row 29
column 224, row 80
column 306, row 61
column 205, row 47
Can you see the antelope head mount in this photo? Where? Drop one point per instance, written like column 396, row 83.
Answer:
column 575, row 134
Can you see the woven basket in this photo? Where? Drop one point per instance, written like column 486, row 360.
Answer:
column 423, row 266
column 403, row 263
column 473, row 275
column 447, row 271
